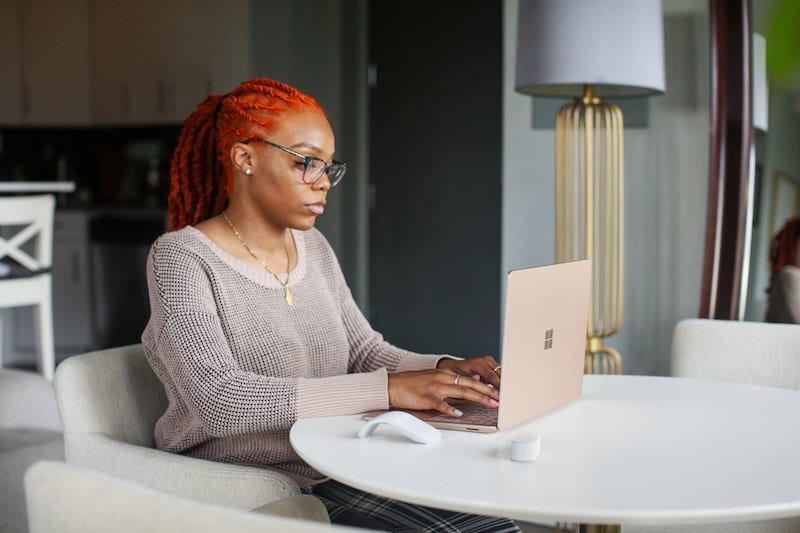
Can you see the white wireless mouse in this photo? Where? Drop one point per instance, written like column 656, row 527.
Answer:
column 409, row 425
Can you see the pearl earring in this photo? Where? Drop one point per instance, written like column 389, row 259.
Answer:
column 248, row 171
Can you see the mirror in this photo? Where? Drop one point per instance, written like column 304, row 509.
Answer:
column 777, row 158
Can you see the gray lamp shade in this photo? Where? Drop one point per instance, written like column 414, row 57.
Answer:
column 615, row 45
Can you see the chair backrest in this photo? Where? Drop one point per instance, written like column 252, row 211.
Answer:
column 35, row 214
column 66, row 498
column 113, row 392
column 27, row 400
column 746, row 352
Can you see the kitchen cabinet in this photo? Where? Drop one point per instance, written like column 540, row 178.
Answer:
column 72, row 306
column 153, row 62
column 115, row 62
column 10, row 58
column 45, row 56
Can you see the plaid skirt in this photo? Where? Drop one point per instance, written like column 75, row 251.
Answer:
column 352, row 507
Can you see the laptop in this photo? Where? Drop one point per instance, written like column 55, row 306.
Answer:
column 544, row 343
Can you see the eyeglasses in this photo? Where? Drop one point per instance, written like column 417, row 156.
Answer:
column 313, row 167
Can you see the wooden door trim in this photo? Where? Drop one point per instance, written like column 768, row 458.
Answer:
column 729, row 162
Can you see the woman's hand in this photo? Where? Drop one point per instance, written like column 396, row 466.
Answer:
column 485, row 367
column 428, row 389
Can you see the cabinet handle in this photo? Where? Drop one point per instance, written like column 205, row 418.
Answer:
column 126, row 99
column 26, row 101
column 171, row 100
column 161, row 98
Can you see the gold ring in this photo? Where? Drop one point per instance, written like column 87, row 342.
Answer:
column 495, row 369
column 456, row 381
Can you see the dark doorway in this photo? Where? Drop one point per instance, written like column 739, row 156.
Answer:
column 435, row 165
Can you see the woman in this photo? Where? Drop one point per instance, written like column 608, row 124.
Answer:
column 252, row 324
column 784, row 286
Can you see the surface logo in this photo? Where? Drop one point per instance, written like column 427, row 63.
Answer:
column 548, row 339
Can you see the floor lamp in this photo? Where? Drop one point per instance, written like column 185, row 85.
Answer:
column 589, row 50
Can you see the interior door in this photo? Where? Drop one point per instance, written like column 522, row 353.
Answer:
column 435, row 171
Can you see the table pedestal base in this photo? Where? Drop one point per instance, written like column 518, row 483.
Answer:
column 587, row 528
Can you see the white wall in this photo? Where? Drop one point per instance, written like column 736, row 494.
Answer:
column 666, row 181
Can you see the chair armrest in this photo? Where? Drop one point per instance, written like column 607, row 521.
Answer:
column 240, row 487
column 304, row 506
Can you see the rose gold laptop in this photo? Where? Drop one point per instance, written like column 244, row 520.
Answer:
column 544, row 341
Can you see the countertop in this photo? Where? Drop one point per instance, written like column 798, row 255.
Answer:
column 37, row 186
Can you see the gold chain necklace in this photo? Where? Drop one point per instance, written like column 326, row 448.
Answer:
column 289, row 298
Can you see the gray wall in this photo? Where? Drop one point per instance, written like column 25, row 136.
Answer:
column 310, row 60
column 319, row 46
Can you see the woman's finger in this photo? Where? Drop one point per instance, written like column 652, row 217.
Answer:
column 473, row 390
column 444, row 407
column 485, row 367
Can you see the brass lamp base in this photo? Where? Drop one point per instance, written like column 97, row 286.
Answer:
column 590, row 213
column 601, row 359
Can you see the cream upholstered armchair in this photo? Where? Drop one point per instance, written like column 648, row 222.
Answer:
column 29, row 431
column 65, row 498
column 109, row 402
column 745, row 352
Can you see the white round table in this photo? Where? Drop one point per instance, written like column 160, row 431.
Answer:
column 631, row 450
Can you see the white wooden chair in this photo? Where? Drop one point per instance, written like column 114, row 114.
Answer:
column 23, row 219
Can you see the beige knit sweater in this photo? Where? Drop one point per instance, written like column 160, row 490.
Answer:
column 240, row 366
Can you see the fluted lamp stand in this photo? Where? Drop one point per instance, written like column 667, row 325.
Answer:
column 590, row 213
column 590, row 50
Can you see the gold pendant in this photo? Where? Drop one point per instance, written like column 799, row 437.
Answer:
column 289, row 298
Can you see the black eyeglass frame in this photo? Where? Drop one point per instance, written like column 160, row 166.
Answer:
column 338, row 167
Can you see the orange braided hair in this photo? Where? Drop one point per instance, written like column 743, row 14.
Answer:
column 783, row 249
column 201, row 174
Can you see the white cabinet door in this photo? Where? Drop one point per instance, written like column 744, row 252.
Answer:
column 72, row 282
column 72, row 317
column 10, row 56
column 55, row 62
column 230, row 58
column 210, row 49
column 124, row 51
column 183, row 70
column 154, row 61
column 116, row 62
